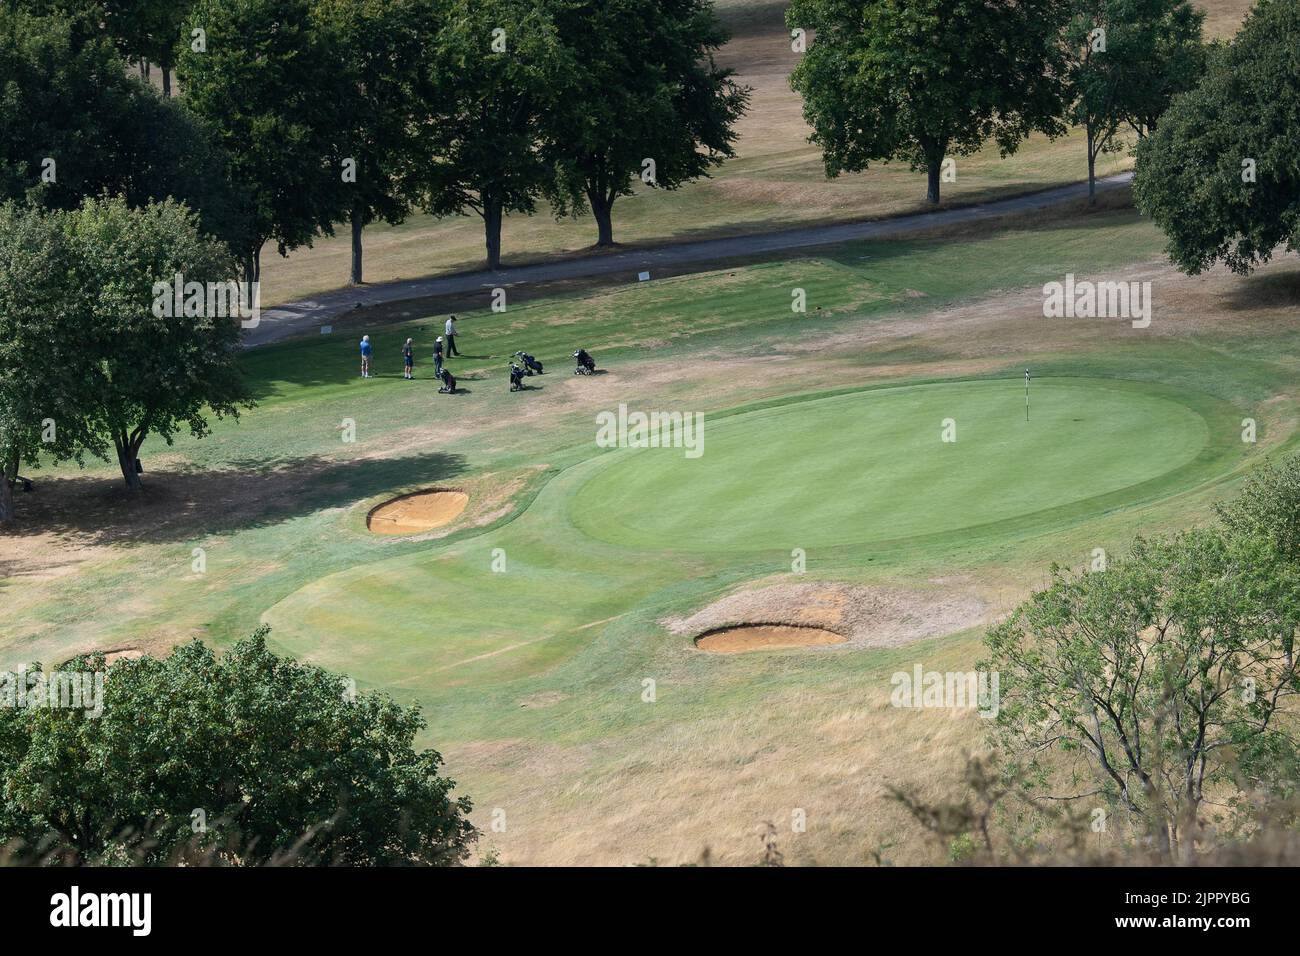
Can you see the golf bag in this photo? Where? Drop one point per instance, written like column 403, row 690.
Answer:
column 448, row 382
column 516, row 378
column 586, row 364
column 531, row 364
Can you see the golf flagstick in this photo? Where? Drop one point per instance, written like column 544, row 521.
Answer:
column 1026, row 394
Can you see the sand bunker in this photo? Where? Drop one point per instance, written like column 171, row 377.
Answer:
column 828, row 613
column 764, row 637
column 422, row 511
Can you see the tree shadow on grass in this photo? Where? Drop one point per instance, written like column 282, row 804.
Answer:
column 1277, row 289
column 179, row 506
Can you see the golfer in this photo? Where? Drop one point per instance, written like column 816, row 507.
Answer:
column 437, row 358
column 365, row 356
column 408, row 359
column 450, row 330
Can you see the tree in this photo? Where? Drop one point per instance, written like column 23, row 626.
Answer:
column 918, row 80
column 644, row 86
column 65, row 108
column 73, row 125
column 1219, row 175
column 1127, row 59
column 149, row 31
column 1268, row 508
column 148, row 367
column 386, row 97
column 40, row 348
column 246, row 759
column 267, row 83
column 1159, row 680
column 500, row 65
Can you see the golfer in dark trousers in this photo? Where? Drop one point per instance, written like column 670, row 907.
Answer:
column 437, row 359
column 450, row 330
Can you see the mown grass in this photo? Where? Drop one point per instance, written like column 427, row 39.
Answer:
column 556, row 730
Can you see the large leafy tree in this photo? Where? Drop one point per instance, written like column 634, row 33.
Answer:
column 268, row 84
column 65, row 108
column 1127, row 59
column 41, row 347
column 1219, row 174
column 386, row 99
column 643, row 86
column 73, row 125
column 245, row 759
column 500, row 65
column 919, row 80
column 1156, row 683
column 146, row 371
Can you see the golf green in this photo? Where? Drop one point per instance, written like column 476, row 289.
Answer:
column 874, row 466
column 861, row 469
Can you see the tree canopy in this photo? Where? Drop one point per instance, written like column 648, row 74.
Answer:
column 643, row 87
column 40, row 344
column 1126, row 60
column 1164, row 681
column 1219, row 174
column 144, row 371
column 386, row 101
column 244, row 759
column 267, row 83
column 921, row 80
column 500, row 64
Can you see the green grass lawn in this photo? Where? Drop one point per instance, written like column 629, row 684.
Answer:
column 876, row 466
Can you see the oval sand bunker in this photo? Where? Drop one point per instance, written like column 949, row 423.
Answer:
column 764, row 637
column 413, row 514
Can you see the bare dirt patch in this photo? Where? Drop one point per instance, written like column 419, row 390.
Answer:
column 765, row 637
column 860, row 616
column 418, row 512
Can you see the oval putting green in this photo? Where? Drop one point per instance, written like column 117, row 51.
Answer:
column 873, row 466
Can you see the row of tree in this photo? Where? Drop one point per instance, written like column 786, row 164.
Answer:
column 298, row 115
column 308, row 113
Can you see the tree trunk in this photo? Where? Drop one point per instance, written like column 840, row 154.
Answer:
column 603, row 210
column 7, row 475
column 167, row 80
column 357, row 226
column 127, row 454
column 933, row 167
column 253, row 263
column 1092, row 164
column 492, row 226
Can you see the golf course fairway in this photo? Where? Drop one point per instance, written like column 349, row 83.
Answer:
column 844, row 476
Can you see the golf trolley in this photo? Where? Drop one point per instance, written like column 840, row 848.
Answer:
column 530, row 365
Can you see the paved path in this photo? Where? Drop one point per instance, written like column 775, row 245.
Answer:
column 309, row 314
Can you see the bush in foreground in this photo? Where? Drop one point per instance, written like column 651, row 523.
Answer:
column 244, row 759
